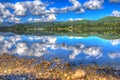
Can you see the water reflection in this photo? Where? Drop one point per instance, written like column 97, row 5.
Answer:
column 65, row 47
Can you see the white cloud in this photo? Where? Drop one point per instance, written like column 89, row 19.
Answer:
column 116, row 13
column 1, row 38
column 78, row 19
column 76, row 52
column 81, row 46
column 44, row 43
column 29, row 7
column 37, row 49
column 93, row 4
column 24, row 8
column 14, row 19
column 71, row 37
column 35, row 8
column 20, row 10
column 14, row 39
column 39, row 8
column 44, row 39
column 30, row 19
column 4, row 13
column 51, row 39
column 93, row 52
column 71, row 19
column 114, row 55
column 9, row 5
column 5, row 46
column 37, row 19
column 1, row 20
column 46, row 18
column 77, row 7
column 51, row 17
column 115, row 42
column 115, row 1
column 21, row 48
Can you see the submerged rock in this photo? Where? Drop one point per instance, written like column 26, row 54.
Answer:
column 78, row 74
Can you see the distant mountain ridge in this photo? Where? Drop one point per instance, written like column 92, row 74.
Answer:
column 84, row 21
column 6, row 24
column 109, row 19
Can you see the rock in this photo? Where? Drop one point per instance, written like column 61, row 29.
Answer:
column 78, row 74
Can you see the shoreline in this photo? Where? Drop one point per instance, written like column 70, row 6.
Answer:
column 12, row 66
column 77, row 36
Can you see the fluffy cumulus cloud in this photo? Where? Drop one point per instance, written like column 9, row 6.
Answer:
column 26, row 8
column 75, row 53
column 35, row 8
column 114, row 55
column 6, row 14
column 31, row 46
column 76, row 6
column 42, row 45
column 14, row 19
column 93, row 4
column 116, row 13
column 21, row 48
column 3, row 11
column 20, row 10
column 93, row 52
column 45, row 18
column 115, row 42
column 14, row 12
column 38, row 48
column 5, row 46
column 115, row 1
column 51, row 17
column 75, row 50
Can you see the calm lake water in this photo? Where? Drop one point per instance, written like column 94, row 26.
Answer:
column 73, row 49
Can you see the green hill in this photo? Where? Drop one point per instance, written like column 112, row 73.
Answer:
column 107, row 27
column 109, row 19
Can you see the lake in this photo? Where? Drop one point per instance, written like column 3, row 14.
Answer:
column 72, row 49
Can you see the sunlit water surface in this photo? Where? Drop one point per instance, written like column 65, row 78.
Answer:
column 73, row 49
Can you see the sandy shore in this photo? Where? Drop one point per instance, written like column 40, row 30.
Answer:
column 15, row 68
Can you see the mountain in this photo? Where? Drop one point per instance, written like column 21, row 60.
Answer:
column 109, row 19
column 107, row 27
column 6, row 24
column 40, row 23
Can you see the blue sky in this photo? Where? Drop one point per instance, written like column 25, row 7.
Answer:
column 56, row 10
